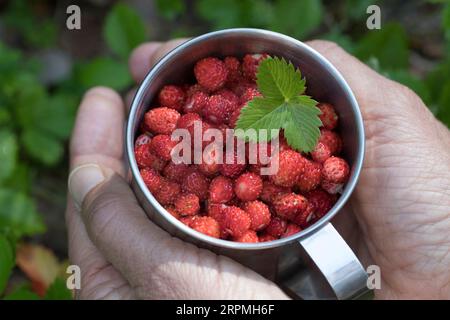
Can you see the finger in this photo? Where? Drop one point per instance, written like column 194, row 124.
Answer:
column 96, row 139
column 98, row 132
column 140, row 60
column 144, row 57
column 155, row 263
column 129, row 98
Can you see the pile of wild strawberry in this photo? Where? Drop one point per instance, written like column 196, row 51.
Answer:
column 233, row 201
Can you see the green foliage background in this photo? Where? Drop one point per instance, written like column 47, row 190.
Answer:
column 36, row 119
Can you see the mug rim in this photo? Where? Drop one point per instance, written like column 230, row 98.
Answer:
column 350, row 185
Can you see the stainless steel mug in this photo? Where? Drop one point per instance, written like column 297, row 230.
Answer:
column 315, row 263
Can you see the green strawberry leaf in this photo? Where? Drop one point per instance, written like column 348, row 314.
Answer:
column 124, row 30
column 261, row 113
column 278, row 79
column 282, row 107
column 302, row 128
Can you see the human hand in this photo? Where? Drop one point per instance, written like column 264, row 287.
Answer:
column 402, row 200
column 121, row 253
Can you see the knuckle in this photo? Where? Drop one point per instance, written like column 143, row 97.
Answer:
column 99, row 210
column 407, row 94
column 326, row 45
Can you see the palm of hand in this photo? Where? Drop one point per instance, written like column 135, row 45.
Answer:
column 402, row 198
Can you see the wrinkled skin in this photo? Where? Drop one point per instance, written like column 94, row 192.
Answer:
column 398, row 217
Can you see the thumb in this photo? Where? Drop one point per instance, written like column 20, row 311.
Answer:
column 114, row 220
column 156, row 264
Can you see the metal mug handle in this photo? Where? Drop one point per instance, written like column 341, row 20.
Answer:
column 333, row 269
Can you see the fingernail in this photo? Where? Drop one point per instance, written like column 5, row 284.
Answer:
column 83, row 179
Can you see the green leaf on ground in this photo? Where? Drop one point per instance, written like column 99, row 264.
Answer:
column 18, row 214
column 8, row 153
column 124, row 30
column 297, row 18
column 389, row 45
column 22, row 293
column 105, row 71
column 170, row 8
column 42, row 146
column 222, row 14
column 58, row 291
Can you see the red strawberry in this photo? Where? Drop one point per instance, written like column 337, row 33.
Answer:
column 161, row 120
column 197, row 184
column 328, row 116
column 218, row 109
column 235, row 221
column 187, row 121
column 276, row 227
column 206, row 225
column 210, row 165
column 234, row 117
column 289, row 205
column 173, row 211
column 167, row 192
column 192, row 89
column 321, row 201
column 142, row 139
column 187, row 220
column 234, row 69
column 321, row 152
column 151, row 178
column 259, row 214
column 221, row 190
column 146, row 159
column 304, row 218
column 249, row 236
column 332, row 140
column 291, row 229
column 271, row 191
column 250, row 64
column 187, row 204
column 176, row 172
column 335, row 170
column 230, row 97
column 248, row 186
column 311, row 177
column 196, row 102
column 332, row 187
column 249, row 94
column 215, row 210
column 290, row 167
column 232, row 168
column 172, row 96
column 162, row 145
column 211, row 73
column 265, row 237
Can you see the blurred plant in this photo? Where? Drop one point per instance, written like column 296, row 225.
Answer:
column 35, row 123
column 387, row 50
